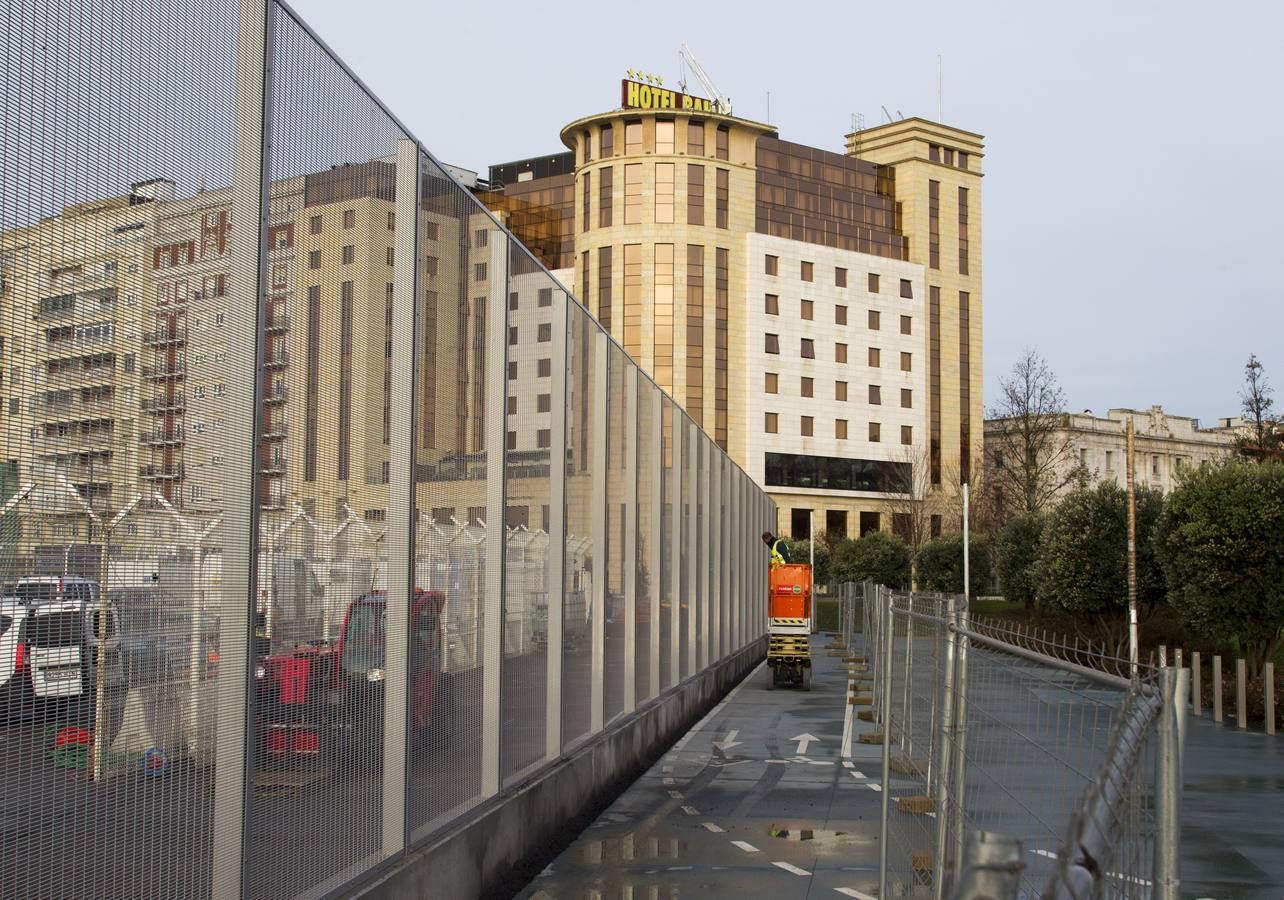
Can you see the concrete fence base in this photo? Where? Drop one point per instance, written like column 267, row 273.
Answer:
column 499, row 846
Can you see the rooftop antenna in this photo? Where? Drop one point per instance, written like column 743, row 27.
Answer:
column 899, row 115
column 858, row 125
column 886, row 113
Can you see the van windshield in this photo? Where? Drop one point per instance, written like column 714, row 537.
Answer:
column 36, row 591
column 59, row 629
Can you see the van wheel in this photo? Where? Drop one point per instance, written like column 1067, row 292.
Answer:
column 806, row 678
column 771, row 678
column 113, row 715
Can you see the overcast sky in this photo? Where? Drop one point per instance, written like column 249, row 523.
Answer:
column 1133, row 195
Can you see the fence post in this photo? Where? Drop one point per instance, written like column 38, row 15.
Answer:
column 907, row 697
column 958, row 812
column 885, row 664
column 945, row 747
column 1241, row 693
column 991, row 867
column 1196, row 698
column 1172, row 684
column 1268, row 681
column 1217, row 689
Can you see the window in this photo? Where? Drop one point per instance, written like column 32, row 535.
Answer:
column 588, row 145
column 771, row 383
column 771, row 305
column 875, row 320
column 314, row 225
column 808, row 386
column 873, row 283
column 906, row 325
column 391, row 256
column 934, row 224
column 962, row 159
column 392, row 221
column 840, row 353
column 875, row 357
column 512, row 406
column 723, row 139
column 935, row 527
column 349, row 218
column 907, row 362
column 772, row 343
column 314, row 259
column 695, row 138
column 840, row 315
column 721, row 198
column 907, row 289
column 875, row 432
column 664, row 136
column 512, row 370
column 1154, row 465
column 512, row 335
column 806, row 271
column 907, row 398
column 836, row 522
column 808, row 349
column 544, row 368
column 479, row 271
column 933, row 153
column 544, row 438
column 633, row 193
column 773, row 265
column 348, row 254
column 695, row 194
column 840, row 391
column 587, row 219
column 963, row 244
column 840, row 429
column 840, row 277
column 875, row 395
column 772, row 423
column 607, row 141
column 545, row 333
column 907, row 434
column 1110, row 461
column 949, row 156
column 544, row 403
column 545, row 296
column 632, row 137
column 806, row 426
column 807, row 310
column 664, row 193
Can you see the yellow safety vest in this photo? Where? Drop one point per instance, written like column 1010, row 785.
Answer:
column 776, row 558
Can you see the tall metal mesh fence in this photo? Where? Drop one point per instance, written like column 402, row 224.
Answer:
column 327, row 514
column 1052, row 757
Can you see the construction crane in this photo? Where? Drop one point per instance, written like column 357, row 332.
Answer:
column 720, row 103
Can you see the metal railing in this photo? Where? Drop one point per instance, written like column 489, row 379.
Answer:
column 1048, row 768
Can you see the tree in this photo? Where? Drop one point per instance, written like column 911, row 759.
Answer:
column 1083, row 557
column 1266, row 437
column 878, row 556
column 941, row 564
column 1018, row 554
column 1030, row 460
column 800, row 552
column 1221, row 544
column 912, row 505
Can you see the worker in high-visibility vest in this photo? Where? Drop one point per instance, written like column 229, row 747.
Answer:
column 779, row 549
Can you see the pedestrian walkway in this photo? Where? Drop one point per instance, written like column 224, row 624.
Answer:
column 770, row 795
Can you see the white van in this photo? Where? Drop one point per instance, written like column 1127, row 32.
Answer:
column 15, row 693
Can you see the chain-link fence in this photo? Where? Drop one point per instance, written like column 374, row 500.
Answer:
column 1016, row 768
column 328, row 515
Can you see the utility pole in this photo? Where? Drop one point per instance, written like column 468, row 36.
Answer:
column 1132, row 552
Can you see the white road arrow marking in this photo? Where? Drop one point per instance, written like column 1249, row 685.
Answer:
column 804, row 741
column 729, row 741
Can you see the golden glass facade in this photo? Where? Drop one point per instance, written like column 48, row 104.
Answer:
column 663, row 311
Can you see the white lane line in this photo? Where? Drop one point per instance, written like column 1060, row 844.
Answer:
column 691, row 810
column 680, row 868
column 669, row 780
column 846, row 749
column 848, row 764
column 790, row 868
column 852, row 892
column 873, row 786
column 856, row 773
column 714, row 828
column 676, row 795
column 745, row 846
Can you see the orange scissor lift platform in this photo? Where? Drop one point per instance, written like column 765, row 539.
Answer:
column 789, row 626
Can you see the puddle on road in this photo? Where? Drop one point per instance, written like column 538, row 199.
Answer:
column 820, row 839
column 629, row 848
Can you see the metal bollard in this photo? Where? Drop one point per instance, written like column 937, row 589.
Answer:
column 1163, row 656
column 1241, row 693
column 1196, row 697
column 1268, row 677
column 1217, row 689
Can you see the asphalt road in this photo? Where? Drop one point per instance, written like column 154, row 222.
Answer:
column 759, row 812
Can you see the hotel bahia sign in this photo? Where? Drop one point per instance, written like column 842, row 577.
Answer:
column 636, row 95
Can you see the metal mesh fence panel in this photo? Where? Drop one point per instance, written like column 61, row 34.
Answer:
column 618, row 366
column 581, row 554
column 647, row 580
column 667, row 544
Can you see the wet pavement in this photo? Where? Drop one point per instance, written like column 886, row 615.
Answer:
column 757, row 799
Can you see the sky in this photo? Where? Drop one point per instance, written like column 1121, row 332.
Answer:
column 1133, row 192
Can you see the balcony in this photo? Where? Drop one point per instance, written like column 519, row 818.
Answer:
column 279, row 395
column 278, row 323
column 274, row 358
column 165, row 337
column 161, row 437
column 162, row 371
column 273, row 467
column 161, row 473
column 275, row 431
column 162, row 405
